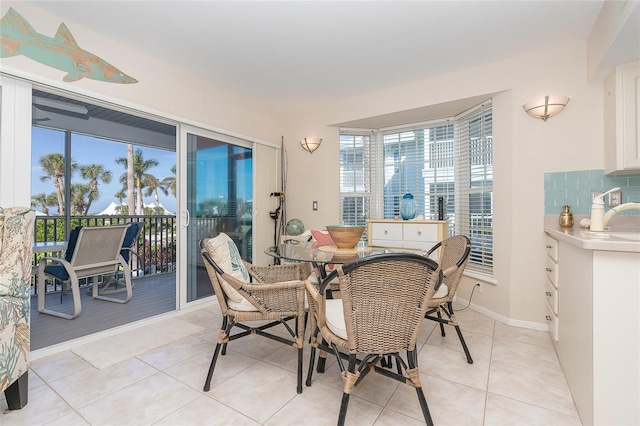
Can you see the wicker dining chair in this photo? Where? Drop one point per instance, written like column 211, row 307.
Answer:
column 384, row 300
column 248, row 293
column 453, row 258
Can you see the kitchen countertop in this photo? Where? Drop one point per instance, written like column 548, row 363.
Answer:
column 607, row 240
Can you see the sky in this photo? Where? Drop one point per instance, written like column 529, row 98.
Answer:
column 87, row 150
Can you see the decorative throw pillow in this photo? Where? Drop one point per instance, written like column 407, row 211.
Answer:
column 322, row 238
column 225, row 253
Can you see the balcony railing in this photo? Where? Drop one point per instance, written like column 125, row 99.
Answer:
column 155, row 247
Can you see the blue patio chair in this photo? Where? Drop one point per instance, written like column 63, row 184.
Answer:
column 92, row 251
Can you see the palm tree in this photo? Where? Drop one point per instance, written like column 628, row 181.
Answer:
column 152, row 184
column 120, row 195
column 44, row 201
column 170, row 181
column 53, row 165
column 94, row 172
column 140, row 167
column 81, row 198
column 131, row 203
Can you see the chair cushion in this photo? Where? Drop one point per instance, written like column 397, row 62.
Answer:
column 225, row 253
column 442, row 291
column 244, row 305
column 71, row 246
column 129, row 238
column 58, row 271
column 335, row 317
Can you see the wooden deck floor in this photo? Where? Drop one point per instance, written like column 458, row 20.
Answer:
column 152, row 295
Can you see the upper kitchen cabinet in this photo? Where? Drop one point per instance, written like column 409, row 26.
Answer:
column 621, row 122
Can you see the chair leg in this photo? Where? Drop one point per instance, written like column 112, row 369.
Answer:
column 96, row 294
column 207, row 383
column 386, row 362
column 299, row 389
column 322, row 358
column 312, row 360
column 345, row 396
column 442, row 333
column 464, row 345
column 412, row 361
column 425, row 408
column 343, row 409
column 457, row 327
column 226, row 328
column 312, row 357
column 17, row 394
column 75, row 291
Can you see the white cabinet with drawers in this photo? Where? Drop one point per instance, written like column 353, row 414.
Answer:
column 594, row 301
column 411, row 234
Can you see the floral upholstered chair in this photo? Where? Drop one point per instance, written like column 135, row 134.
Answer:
column 16, row 240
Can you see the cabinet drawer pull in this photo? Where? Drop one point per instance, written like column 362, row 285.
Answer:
column 548, row 246
column 386, row 232
column 548, row 293
column 548, row 317
column 548, row 269
column 419, row 232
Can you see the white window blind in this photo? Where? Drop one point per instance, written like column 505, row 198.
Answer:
column 474, row 183
column 449, row 160
column 356, row 176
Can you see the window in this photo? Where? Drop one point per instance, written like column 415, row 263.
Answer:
column 474, row 180
column 356, row 187
column 449, row 161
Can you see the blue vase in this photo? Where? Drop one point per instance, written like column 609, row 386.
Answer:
column 408, row 206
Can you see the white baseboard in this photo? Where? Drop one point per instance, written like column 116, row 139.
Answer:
column 508, row 321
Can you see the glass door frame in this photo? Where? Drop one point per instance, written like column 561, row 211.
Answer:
column 15, row 142
column 183, row 215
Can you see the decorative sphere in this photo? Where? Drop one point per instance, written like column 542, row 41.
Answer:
column 294, row 227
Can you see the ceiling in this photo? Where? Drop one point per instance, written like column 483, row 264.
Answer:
column 287, row 54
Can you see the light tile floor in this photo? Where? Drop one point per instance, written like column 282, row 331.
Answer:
column 515, row 380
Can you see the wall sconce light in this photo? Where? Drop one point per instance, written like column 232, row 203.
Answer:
column 547, row 107
column 310, row 144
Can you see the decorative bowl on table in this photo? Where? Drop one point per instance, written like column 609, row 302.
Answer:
column 345, row 236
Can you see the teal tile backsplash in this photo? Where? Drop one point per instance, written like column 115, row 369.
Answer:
column 574, row 189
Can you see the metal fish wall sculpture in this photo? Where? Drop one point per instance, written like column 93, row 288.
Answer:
column 17, row 37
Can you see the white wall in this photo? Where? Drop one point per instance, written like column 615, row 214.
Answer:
column 524, row 149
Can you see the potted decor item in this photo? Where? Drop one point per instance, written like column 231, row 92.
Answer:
column 345, row 236
column 408, row 207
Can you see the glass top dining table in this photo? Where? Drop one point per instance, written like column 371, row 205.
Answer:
column 309, row 252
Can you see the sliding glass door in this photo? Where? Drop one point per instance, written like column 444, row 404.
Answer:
column 218, row 194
